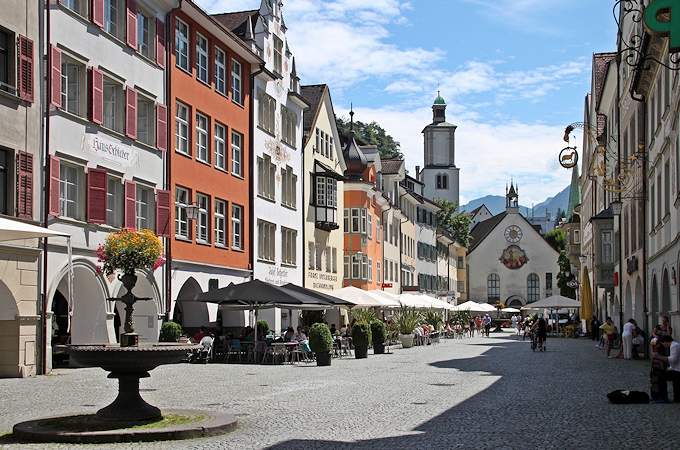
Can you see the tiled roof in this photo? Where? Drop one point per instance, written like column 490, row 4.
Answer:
column 236, row 21
column 313, row 94
column 391, row 166
column 483, row 229
column 600, row 67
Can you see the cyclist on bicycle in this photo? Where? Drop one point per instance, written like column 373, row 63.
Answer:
column 540, row 329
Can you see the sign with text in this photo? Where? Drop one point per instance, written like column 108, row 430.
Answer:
column 663, row 17
column 110, row 150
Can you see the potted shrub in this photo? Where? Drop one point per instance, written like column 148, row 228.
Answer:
column 378, row 334
column 262, row 329
column 170, row 332
column 407, row 320
column 434, row 318
column 361, row 339
column 321, row 343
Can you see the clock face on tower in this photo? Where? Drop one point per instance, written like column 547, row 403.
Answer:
column 513, row 234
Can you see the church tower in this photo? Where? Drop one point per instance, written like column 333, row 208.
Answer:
column 512, row 198
column 440, row 174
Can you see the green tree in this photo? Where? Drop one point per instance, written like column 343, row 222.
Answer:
column 565, row 276
column 454, row 221
column 371, row 134
column 557, row 238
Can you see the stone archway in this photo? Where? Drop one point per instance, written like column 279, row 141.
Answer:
column 654, row 303
column 515, row 301
column 147, row 323
column 639, row 303
column 9, row 351
column 191, row 314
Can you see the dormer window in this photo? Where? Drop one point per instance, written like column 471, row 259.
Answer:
column 325, row 201
column 278, row 55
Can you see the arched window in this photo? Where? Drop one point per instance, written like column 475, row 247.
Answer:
column 442, row 181
column 533, row 288
column 493, row 287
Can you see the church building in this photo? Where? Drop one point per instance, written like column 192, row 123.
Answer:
column 509, row 260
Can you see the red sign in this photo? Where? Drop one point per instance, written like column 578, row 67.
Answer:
column 386, row 285
column 616, row 278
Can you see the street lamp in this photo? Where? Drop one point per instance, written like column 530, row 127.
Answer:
column 192, row 212
column 616, row 207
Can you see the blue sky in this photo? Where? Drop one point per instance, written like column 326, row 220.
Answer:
column 514, row 74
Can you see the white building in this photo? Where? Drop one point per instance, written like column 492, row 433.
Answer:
column 508, row 260
column 106, row 140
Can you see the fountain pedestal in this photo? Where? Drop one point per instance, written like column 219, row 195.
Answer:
column 129, row 405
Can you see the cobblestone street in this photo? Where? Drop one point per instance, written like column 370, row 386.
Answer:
column 475, row 393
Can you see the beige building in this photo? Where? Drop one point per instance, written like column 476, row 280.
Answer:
column 323, row 172
column 19, row 178
column 461, row 274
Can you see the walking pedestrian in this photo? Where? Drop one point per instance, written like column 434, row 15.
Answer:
column 487, row 325
column 513, row 319
column 595, row 327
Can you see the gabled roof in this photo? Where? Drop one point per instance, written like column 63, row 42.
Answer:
column 313, row 94
column 483, row 229
column 238, row 21
column 474, row 212
column 600, row 68
column 392, row 166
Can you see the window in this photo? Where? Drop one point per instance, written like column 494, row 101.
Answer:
column 370, row 269
column 667, row 188
column 7, row 58
column 334, row 260
column 356, row 266
column 220, row 143
column 71, row 191
column 114, row 11
column 346, row 267
column 220, row 71
column 182, row 128
column 288, row 246
column 77, row 6
column 318, row 256
column 182, row 201
column 202, row 149
column 146, row 34
column 236, row 227
column 356, row 220
column 266, row 112
column 493, row 287
column 363, row 220
column 145, row 208
column 548, row 281
column 278, row 55
column 266, row 173
column 236, row 153
column 182, row 45
column 607, row 247
column 320, row 191
column 288, row 126
column 236, row 94
column 533, row 288
column 203, row 219
column 377, row 272
column 369, row 226
column 266, row 236
column 577, row 237
column 114, row 105
column 201, row 58
column 652, row 212
column 346, row 220
column 311, row 253
column 288, row 187
column 659, row 206
column 73, row 86
column 5, row 178
column 220, row 223
column 442, row 181
column 146, row 120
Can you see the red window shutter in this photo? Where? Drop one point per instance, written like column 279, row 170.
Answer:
column 130, row 204
column 96, row 96
column 24, row 185
column 160, row 43
column 98, row 12
column 131, row 113
column 55, row 63
column 55, row 186
column 132, row 24
column 161, row 127
column 96, row 195
column 25, row 63
column 163, row 213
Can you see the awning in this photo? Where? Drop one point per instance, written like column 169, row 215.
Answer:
column 422, row 301
column 553, row 302
column 319, row 296
column 358, row 297
column 473, row 306
column 13, row 230
column 385, row 299
column 322, row 169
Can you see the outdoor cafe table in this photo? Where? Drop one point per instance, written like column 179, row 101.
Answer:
column 287, row 347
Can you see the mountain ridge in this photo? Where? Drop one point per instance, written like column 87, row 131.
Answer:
column 496, row 204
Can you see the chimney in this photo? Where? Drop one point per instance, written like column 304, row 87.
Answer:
column 418, row 173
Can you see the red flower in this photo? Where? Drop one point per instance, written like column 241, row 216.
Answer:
column 99, row 270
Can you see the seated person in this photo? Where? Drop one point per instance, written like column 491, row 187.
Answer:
column 343, row 330
column 288, row 335
column 248, row 334
column 199, row 335
column 300, row 335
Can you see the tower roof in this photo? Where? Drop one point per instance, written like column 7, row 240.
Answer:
column 354, row 158
column 439, row 100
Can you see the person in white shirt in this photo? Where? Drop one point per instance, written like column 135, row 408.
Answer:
column 627, row 337
column 673, row 360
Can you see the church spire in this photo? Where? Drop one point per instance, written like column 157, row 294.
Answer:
column 439, row 109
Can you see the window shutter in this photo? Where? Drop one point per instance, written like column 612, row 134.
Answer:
column 163, row 213
column 96, row 96
column 24, row 185
column 55, row 57
column 96, row 196
column 131, row 113
column 98, row 12
column 132, row 24
column 55, row 185
column 25, row 63
column 161, row 127
column 160, row 43
column 130, row 205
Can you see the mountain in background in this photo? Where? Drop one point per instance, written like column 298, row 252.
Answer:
column 496, row 204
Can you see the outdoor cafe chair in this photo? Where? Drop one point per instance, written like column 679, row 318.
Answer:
column 234, row 349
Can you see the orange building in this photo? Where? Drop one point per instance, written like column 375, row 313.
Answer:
column 364, row 204
column 209, row 80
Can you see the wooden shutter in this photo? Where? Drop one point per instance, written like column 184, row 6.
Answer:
column 130, row 205
column 160, row 43
column 25, row 185
column 132, row 24
column 98, row 12
column 161, row 127
column 55, row 63
column 96, row 96
column 96, row 195
column 131, row 113
column 55, row 186
column 25, row 63
column 163, row 213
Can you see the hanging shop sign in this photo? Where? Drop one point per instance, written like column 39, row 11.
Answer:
column 663, row 17
column 110, row 150
column 569, row 157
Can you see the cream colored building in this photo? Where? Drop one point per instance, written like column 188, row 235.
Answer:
column 324, row 167
column 20, row 180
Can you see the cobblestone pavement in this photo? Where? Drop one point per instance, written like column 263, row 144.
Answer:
column 473, row 393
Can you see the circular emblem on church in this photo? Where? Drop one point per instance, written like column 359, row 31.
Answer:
column 568, row 157
column 514, row 257
column 513, row 234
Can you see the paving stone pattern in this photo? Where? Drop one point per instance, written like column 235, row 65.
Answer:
column 473, row 393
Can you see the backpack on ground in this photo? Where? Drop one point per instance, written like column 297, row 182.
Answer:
column 621, row 397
